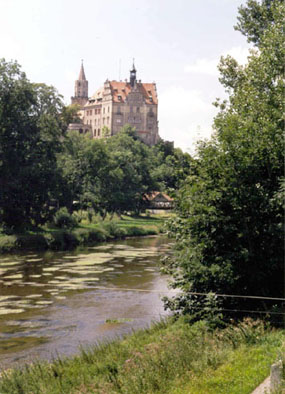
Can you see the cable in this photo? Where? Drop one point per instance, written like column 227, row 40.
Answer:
column 190, row 293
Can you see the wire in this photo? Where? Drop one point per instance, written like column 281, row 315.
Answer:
column 190, row 293
column 246, row 311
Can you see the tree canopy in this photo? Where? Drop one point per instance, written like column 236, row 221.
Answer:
column 31, row 126
column 229, row 227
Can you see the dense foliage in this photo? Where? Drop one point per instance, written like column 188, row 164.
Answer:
column 30, row 129
column 229, row 227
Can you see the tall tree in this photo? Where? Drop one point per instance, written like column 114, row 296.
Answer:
column 229, row 225
column 31, row 125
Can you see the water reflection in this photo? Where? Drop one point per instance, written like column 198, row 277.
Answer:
column 51, row 302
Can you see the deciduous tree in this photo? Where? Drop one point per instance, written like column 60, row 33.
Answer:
column 229, row 228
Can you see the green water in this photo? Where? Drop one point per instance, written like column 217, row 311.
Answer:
column 52, row 303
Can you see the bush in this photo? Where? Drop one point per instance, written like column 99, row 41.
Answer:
column 111, row 228
column 8, row 243
column 114, row 231
column 63, row 219
column 61, row 240
column 31, row 241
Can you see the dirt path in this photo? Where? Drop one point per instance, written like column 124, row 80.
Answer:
column 263, row 388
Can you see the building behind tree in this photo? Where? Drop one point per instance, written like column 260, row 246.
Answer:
column 116, row 104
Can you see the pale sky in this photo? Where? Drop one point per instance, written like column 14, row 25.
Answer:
column 177, row 44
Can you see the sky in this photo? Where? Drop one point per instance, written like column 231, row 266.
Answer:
column 176, row 44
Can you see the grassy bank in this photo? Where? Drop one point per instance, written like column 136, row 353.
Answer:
column 84, row 234
column 168, row 358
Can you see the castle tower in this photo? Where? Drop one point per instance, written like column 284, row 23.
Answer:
column 80, row 88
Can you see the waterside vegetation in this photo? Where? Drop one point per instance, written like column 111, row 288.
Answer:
column 170, row 357
column 67, row 236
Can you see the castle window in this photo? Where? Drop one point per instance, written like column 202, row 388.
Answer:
column 108, row 109
column 103, row 110
column 94, row 132
column 90, row 112
column 138, row 109
column 98, row 132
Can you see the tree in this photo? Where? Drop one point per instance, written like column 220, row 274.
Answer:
column 229, row 228
column 255, row 18
column 172, row 166
column 31, row 126
column 83, row 163
column 70, row 114
column 129, row 173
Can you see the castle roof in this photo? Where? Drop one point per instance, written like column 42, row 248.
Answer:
column 120, row 91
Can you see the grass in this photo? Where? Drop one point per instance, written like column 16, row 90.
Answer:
column 84, row 234
column 170, row 357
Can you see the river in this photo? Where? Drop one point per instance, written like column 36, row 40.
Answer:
column 53, row 303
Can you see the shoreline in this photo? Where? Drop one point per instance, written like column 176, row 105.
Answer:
column 170, row 356
column 69, row 239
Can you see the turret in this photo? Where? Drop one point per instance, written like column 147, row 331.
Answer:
column 80, row 88
column 133, row 75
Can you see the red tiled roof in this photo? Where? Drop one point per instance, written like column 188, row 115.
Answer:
column 120, row 91
column 152, row 196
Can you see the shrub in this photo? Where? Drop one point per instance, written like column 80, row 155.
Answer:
column 31, row 241
column 61, row 240
column 82, row 235
column 8, row 243
column 63, row 219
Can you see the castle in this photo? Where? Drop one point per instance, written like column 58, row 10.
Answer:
column 115, row 104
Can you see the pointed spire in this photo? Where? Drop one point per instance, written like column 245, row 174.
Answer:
column 134, row 69
column 82, row 73
column 133, row 75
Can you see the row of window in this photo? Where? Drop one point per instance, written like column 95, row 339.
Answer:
column 97, row 111
column 104, row 121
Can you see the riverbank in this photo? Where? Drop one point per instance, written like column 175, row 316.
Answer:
column 170, row 357
column 82, row 235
